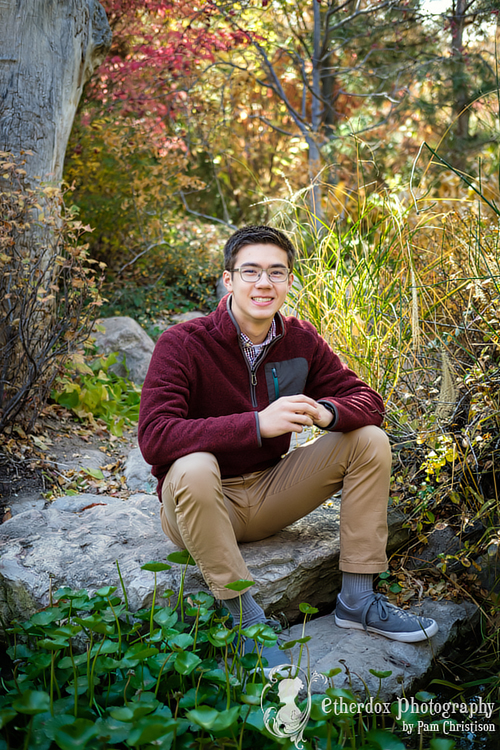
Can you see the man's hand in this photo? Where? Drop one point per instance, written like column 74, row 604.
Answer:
column 292, row 414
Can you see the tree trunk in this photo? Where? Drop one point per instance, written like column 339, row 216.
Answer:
column 49, row 49
column 316, row 115
column 460, row 85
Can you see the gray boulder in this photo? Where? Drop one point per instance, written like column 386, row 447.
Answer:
column 190, row 315
column 77, row 540
column 356, row 652
column 138, row 473
column 125, row 336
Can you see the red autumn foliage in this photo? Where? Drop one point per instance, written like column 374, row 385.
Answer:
column 157, row 46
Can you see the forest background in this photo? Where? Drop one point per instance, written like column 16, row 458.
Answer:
column 366, row 130
column 369, row 132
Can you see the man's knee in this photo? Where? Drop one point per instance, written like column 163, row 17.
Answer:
column 372, row 440
column 197, row 473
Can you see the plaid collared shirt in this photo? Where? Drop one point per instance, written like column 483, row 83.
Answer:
column 252, row 350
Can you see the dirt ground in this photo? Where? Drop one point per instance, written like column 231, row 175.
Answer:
column 61, row 456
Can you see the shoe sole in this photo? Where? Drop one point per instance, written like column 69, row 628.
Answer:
column 413, row 637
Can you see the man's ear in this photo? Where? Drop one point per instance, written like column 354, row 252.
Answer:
column 227, row 280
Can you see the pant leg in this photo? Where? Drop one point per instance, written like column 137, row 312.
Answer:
column 359, row 462
column 209, row 517
column 196, row 515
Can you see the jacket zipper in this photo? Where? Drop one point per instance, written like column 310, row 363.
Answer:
column 253, row 371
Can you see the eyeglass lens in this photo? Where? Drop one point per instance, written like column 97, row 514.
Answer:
column 254, row 274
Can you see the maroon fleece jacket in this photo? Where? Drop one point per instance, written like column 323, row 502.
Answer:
column 200, row 393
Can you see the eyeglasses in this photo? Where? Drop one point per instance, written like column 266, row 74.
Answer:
column 253, row 274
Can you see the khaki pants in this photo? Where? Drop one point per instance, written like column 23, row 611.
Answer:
column 209, row 516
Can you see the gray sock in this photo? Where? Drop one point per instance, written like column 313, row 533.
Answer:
column 356, row 589
column 251, row 611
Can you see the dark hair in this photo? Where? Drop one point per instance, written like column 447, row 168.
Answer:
column 256, row 235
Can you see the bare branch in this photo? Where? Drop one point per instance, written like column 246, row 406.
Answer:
column 205, row 216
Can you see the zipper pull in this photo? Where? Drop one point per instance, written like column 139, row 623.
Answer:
column 276, row 384
column 254, row 377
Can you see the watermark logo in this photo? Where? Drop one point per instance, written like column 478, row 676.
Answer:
column 289, row 721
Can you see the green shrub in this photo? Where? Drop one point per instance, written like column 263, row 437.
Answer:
column 85, row 672
column 92, row 390
column 49, row 292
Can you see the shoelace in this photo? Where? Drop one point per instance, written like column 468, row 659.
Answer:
column 380, row 601
column 382, row 606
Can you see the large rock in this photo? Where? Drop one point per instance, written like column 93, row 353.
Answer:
column 138, row 473
column 125, row 336
column 356, row 652
column 77, row 540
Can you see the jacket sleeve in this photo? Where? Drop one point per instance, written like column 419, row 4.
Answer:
column 354, row 403
column 165, row 431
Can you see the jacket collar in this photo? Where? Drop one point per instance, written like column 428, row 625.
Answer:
column 225, row 306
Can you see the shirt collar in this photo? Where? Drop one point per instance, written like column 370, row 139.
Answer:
column 271, row 334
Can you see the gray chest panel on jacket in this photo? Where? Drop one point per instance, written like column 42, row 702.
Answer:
column 287, row 378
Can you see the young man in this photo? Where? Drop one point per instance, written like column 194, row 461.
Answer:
column 223, row 395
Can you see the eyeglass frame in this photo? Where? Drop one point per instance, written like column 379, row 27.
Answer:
column 260, row 270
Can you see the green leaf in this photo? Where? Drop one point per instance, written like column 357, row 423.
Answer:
column 75, row 735
column 441, row 743
column 424, row 696
column 82, row 684
column 32, row 702
column 249, row 661
column 289, row 644
column 54, row 644
column 239, row 585
column 135, row 710
column 96, row 473
column 219, row 636
column 140, row 651
column 96, row 624
column 203, row 599
column 6, row 715
column 225, row 719
column 47, row 617
column 383, row 740
column 220, row 677
column 186, row 661
column 379, row 673
column 19, row 651
column 182, row 557
column 45, row 726
column 204, row 716
column 307, row 609
column 155, row 567
column 66, row 663
column 105, row 647
column 69, row 399
column 111, row 730
column 252, row 694
column 106, row 591
column 151, row 729
column 182, row 641
column 165, row 617
column 332, row 672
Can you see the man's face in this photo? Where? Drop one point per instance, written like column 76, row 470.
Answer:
column 255, row 303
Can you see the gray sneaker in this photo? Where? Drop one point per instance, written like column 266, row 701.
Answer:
column 378, row 616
